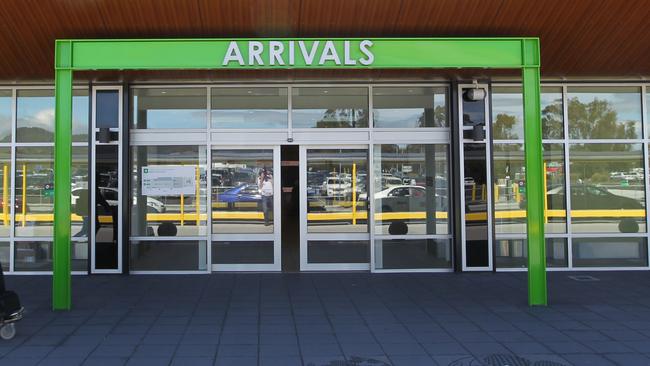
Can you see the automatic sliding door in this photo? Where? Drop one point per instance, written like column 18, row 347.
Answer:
column 333, row 208
column 245, row 209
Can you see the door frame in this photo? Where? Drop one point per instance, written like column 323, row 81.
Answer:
column 488, row 167
column 276, row 236
column 93, row 171
column 305, row 236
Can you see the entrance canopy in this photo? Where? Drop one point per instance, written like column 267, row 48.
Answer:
column 330, row 53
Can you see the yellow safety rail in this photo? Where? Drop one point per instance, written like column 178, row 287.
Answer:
column 5, row 195
column 24, row 203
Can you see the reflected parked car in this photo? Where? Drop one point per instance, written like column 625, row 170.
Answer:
column 243, row 193
column 407, row 198
column 111, row 196
column 587, row 196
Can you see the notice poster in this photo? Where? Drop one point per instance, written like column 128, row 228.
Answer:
column 168, row 180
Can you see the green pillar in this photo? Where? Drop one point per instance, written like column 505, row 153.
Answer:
column 61, row 292
column 537, row 294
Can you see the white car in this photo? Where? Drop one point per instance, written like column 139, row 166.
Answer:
column 337, row 187
column 111, row 195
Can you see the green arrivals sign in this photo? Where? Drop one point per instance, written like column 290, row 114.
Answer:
column 297, row 53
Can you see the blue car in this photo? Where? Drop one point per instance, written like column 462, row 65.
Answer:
column 246, row 192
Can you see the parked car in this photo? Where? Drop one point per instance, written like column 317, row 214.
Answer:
column 587, row 196
column 337, row 187
column 407, row 198
column 243, row 193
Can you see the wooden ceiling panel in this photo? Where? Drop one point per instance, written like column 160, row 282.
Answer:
column 595, row 38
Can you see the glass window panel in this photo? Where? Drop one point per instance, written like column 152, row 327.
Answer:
column 413, row 253
column 249, row 107
column 329, row 107
column 411, row 189
column 4, row 256
column 35, row 115
column 513, row 253
column 242, row 252
column 173, row 213
column 509, row 188
column 242, row 191
column 507, row 113
column 32, row 256
column 5, row 191
column 80, row 108
column 169, row 108
column 604, row 112
column 5, row 115
column 410, row 107
column 79, row 255
column 610, row 252
column 107, row 109
column 553, row 155
column 338, row 251
column 183, row 255
column 335, row 179
column 552, row 113
column 34, row 191
column 607, row 188
column 80, row 222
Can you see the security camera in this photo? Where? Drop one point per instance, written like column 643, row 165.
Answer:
column 474, row 94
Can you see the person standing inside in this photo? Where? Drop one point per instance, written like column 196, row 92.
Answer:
column 266, row 190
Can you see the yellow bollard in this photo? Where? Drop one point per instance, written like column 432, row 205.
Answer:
column 197, row 201
column 24, row 203
column 515, row 190
column 5, row 195
column 545, row 197
column 354, row 193
column 496, row 193
column 182, row 209
column 474, row 192
column 483, row 191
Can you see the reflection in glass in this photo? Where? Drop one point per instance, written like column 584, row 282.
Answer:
column 107, row 108
column 552, row 113
column 553, row 155
column 35, row 115
column 242, row 252
column 79, row 255
column 249, row 107
column 412, row 253
column 411, row 189
column 80, row 107
column 5, row 191
column 5, row 115
column 507, row 113
column 4, row 255
column 513, row 253
column 607, row 188
column 409, row 107
column 34, row 191
column 242, row 191
column 169, row 108
column 107, row 176
column 604, row 112
column 338, row 251
column 337, row 190
column 32, row 256
column 80, row 222
column 610, row 252
column 509, row 188
column 329, row 107
column 176, row 255
column 179, row 210
column 476, row 205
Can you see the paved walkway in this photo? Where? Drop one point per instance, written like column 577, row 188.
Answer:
column 334, row 319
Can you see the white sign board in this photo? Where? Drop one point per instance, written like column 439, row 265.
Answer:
column 168, row 180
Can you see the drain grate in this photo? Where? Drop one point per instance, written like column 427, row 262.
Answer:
column 584, row 278
column 353, row 361
column 498, row 359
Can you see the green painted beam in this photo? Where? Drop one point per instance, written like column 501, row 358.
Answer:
column 401, row 53
column 537, row 292
column 61, row 286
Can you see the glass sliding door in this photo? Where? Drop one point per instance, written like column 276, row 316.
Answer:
column 245, row 191
column 334, row 230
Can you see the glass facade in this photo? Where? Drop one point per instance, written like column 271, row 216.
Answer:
column 378, row 164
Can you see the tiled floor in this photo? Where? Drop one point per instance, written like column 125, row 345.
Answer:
column 334, row 319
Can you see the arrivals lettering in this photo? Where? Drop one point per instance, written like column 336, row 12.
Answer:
column 274, row 53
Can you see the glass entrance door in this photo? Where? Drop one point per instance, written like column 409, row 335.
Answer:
column 334, row 226
column 245, row 192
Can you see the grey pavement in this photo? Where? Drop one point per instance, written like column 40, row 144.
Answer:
column 334, row 319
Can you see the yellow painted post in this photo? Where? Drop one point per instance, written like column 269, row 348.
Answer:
column 474, row 192
column 515, row 190
column 354, row 193
column 182, row 209
column 483, row 191
column 24, row 203
column 5, row 195
column 545, row 188
column 197, row 200
column 496, row 193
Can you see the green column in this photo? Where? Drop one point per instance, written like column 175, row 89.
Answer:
column 61, row 297
column 537, row 294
